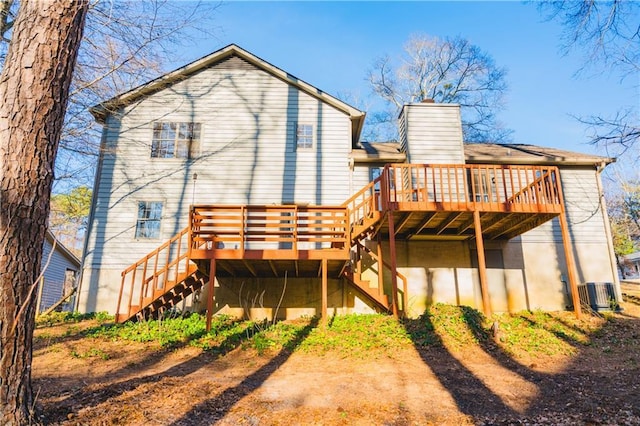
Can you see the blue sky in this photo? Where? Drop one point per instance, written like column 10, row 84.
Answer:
column 331, row 45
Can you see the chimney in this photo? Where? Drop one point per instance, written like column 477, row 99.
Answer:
column 431, row 133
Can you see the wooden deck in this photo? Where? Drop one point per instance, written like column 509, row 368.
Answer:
column 406, row 201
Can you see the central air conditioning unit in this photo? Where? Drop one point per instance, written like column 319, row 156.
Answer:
column 599, row 296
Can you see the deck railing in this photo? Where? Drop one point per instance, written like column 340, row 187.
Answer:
column 278, row 231
column 468, row 187
column 148, row 277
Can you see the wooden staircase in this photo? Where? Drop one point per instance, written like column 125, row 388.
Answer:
column 163, row 299
column 365, row 210
column 381, row 301
column 178, row 268
column 160, row 280
column 365, row 213
column 375, row 293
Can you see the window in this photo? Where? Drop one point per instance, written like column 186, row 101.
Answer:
column 492, row 259
column 304, row 136
column 175, row 140
column 148, row 224
column 483, row 184
column 375, row 174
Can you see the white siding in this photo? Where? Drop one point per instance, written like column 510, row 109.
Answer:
column 247, row 156
column 542, row 247
column 432, row 133
column 362, row 175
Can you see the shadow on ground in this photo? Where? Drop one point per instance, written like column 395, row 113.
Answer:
column 599, row 385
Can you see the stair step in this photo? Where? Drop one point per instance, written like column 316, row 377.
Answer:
column 381, row 300
column 167, row 297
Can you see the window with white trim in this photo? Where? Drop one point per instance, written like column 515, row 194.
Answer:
column 149, row 216
column 175, row 140
column 304, row 136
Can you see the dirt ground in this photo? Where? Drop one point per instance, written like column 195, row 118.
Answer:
column 99, row 382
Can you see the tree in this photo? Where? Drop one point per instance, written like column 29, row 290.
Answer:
column 450, row 70
column 69, row 215
column 608, row 33
column 125, row 44
column 34, row 87
column 624, row 213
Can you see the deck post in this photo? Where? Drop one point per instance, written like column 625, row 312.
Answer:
column 380, row 268
column 393, row 262
column 482, row 265
column 571, row 265
column 325, row 291
column 212, row 283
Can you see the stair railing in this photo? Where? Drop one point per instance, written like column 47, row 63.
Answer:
column 403, row 278
column 543, row 191
column 365, row 206
column 149, row 275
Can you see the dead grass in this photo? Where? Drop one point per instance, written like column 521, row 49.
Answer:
column 451, row 366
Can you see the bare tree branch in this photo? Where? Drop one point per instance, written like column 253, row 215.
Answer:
column 617, row 135
column 608, row 32
column 450, row 70
column 126, row 43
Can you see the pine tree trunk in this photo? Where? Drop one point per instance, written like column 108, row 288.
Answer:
column 34, row 87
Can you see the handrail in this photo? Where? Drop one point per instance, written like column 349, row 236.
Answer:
column 468, row 187
column 402, row 277
column 172, row 251
column 365, row 203
column 543, row 190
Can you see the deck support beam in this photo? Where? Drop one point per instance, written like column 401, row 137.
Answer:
column 325, row 291
column 212, row 284
column 403, row 223
column 571, row 265
column 482, row 265
column 380, row 268
column 393, row 263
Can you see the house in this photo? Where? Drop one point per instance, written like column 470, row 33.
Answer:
column 60, row 268
column 631, row 265
column 231, row 186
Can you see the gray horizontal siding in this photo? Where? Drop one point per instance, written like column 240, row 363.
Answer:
column 584, row 213
column 247, row 156
column 54, row 275
column 433, row 134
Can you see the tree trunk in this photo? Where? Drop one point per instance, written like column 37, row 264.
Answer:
column 34, row 86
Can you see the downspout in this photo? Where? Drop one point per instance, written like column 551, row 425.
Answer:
column 607, row 229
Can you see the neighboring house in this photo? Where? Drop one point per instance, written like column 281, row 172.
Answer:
column 631, row 265
column 233, row 172
column 60, row 269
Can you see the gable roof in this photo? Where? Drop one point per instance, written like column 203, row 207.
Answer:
column 102, row 110
column 61, row 248
column 528, row 154
column 378, row 152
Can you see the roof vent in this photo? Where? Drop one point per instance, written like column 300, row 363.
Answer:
column 428, row 101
